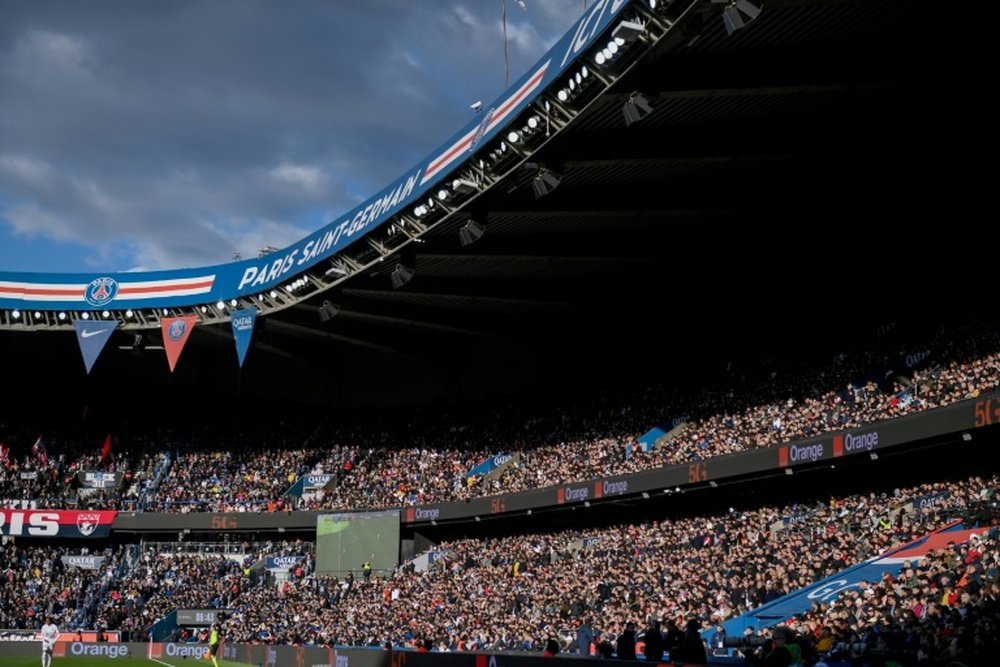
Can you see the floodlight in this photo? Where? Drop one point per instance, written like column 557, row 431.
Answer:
column 328, row 311
column 463, row 186
column 545, row 182
column 738, row 14
column 400, row 275
column 470, row 232
column 636, row 108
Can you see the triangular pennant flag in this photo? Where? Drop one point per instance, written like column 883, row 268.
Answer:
column 93, row 336
column 175, row 334
column 243, row 321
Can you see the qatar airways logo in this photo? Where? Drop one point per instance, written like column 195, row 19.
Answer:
column 915, row 358
column 317, row 481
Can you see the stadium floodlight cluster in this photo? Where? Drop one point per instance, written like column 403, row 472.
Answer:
column 473, row 165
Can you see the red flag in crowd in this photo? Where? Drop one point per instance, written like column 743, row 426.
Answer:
column 38, row 449
column 106, row 450
column 4, row 455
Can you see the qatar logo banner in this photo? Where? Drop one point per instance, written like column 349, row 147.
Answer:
column 243, row 321
column 175, row 334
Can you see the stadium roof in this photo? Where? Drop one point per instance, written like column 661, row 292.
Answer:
column 774, row 181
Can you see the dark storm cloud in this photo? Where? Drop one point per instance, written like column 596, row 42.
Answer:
column 167, row 134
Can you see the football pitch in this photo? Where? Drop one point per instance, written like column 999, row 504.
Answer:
column 73, row 661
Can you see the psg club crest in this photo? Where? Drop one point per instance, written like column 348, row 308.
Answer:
column 101, row 291
column 176, row 330
column 87, row 523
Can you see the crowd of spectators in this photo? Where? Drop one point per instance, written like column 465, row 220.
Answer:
column 426, row 465
column 943, row 609
column 513, row 592
column 43, row 471
column 425, row 456
column 35, row 583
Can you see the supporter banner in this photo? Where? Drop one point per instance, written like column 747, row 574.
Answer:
column 83, row 562
column 175, row 334
column 29, row 474
column 93, row 335
column 201, row 617
column 828, row 589
column 243, row 322
column 282, row 562
column 56, row 523
column 96, row 479
column 487, row 465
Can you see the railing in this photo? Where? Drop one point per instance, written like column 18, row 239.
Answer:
column 197, row 548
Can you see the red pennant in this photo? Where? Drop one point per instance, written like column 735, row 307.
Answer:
column 175, row 334
column 106, row 450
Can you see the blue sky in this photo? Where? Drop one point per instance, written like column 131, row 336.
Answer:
column 160, row 135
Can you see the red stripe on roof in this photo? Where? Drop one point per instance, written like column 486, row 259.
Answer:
column 153, row 289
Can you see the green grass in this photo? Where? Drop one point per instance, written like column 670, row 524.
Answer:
column 116, row 662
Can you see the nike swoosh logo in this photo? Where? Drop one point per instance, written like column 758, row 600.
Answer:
column 88, row 334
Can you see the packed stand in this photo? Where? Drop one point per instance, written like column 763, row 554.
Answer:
column 941, row 610
column 511, row 593
column 48, row 472
column 427, row 463
column 190, row 576
column 35, row 582
column 425, row 456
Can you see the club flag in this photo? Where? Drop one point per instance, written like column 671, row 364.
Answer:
column 106, row 449
column 93, row 335
column 175, row 334
column 243, row 321
column 40, row 452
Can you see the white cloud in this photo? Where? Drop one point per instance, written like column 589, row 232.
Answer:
column 28, row 170
column 44, row 53
column 307, row 178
